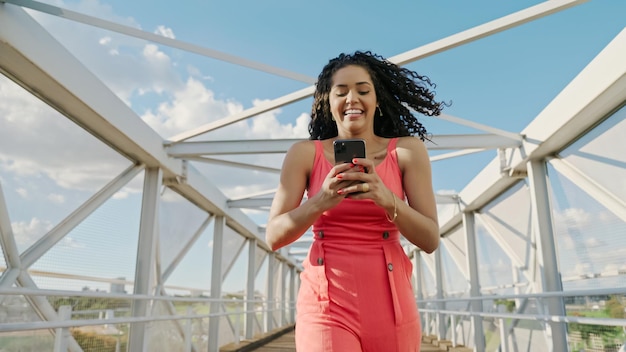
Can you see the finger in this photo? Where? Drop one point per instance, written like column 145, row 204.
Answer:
column 340, row 168
column 365, row 165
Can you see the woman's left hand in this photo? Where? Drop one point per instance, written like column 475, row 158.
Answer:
column 367, row 185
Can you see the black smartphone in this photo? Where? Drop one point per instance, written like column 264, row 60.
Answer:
column 348, row 149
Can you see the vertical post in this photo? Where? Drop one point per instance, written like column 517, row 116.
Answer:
column 419, row 284
column 542, row 225
column 62, row 335
column 441, row 324
column 146, row 251
column 504, row 340
column 418, row 276
column 188, row 330
column 453, row 327
column 469, row 227
column 269, row 318
column 7, row 242
column 282, row 294
column 292, row 294
column 251, row 276
column 216, row 283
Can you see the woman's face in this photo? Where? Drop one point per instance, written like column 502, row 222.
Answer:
column 353, row 100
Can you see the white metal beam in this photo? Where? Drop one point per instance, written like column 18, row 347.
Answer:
column 35, row 60
column 186, row 150
column 456, row 154
column 257, row 110
column 469, row 229
column 584, row 102
column 250, row 278
column 146, row 253
column 216, row 282
column 251, row 203
column 514, row 137
column 543, row 228
column 493, row 27
column 156, row 38
column 501, row 24
column 31, row 57
column 7, row 240
column 234, row 164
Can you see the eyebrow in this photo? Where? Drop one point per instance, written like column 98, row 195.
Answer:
column 358, row 84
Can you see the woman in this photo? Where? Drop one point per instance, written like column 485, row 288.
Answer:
column 355, row 292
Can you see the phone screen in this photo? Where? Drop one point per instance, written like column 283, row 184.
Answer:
column 348, row 149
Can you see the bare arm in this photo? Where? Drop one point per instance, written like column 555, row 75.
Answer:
column 288, row 218
column 417, row 219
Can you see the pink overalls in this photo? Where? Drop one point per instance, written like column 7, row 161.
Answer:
column 356, row 292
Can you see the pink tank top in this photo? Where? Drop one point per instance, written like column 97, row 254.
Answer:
column 360, row 220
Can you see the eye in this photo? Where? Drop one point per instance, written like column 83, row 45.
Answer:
column 365, row 92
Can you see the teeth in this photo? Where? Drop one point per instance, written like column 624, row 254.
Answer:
column 353, row 111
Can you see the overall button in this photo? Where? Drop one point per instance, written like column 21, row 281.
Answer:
column 320, row 261
column 320, row 234
column 390, row 267
column 385, row 235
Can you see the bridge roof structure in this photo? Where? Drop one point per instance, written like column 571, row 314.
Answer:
column 127, row 120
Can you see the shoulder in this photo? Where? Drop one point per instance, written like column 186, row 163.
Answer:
column 303, row 146
column 411, row 143
column 411, row 150
column 301, row 153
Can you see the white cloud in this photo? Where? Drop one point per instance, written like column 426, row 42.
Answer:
column 22, row 192
column 166, row 32
column 191, row 106
column 120, row 195
column 573, row 217
column 56, row 198
column 26, row 233
column 41, row 143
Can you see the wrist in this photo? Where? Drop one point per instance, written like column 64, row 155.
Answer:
column 393, row 215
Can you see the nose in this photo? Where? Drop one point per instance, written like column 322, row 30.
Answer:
column 351, row 97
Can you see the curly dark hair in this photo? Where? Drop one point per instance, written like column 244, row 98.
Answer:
column 398, row 90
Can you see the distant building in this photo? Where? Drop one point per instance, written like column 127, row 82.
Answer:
column 118, row 285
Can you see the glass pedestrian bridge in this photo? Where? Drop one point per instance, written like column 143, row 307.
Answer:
column 116, row 236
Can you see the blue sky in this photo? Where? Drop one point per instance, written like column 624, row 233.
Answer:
column 503, row 81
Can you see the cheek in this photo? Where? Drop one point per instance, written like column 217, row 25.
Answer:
column 334, row 106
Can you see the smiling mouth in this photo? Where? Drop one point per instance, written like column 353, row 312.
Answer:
column 353, row 112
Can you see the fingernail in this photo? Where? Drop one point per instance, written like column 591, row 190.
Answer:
column 340, row 191
column 340, row 176
column 354, row 161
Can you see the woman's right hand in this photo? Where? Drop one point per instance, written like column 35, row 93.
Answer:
column 328, row 197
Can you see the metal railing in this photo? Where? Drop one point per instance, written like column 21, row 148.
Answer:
column 595, row 320
column 173, row 323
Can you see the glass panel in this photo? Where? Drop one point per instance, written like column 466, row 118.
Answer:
column 600, row 154
column 591, row 241
column 494, row 265
column 99, row 253
column 455, row 282
column 509, row 217
column 179, row 220
column 49, row 166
